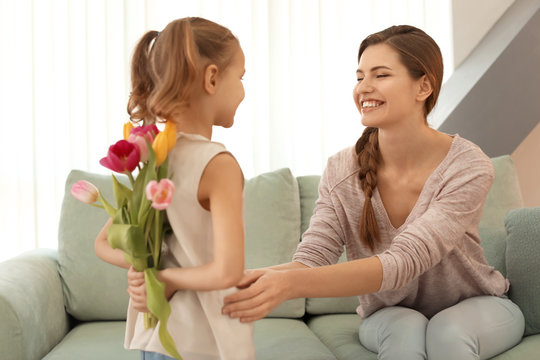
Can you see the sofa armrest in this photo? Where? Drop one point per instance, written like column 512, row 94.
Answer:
column 31, row 305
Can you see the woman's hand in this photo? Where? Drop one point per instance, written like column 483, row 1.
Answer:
column 137, row 289
column 260, row 292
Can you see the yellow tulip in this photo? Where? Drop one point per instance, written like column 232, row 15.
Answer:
column 160, row 147
column 127, row 129
column 170, row 130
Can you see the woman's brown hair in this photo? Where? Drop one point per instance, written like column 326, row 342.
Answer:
column 421, row 56
column 167, row 65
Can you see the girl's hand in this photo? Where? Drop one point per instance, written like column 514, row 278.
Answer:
column 137, row 289
column 261, row 291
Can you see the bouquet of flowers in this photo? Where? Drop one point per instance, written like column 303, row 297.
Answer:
column 138, row 221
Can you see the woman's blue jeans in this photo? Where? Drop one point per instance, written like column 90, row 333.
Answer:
column 147, row 355
column 476, row 328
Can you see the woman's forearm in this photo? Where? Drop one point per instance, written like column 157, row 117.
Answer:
column 350, row 278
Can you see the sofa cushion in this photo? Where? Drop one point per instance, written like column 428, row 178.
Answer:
column 272, row 208
column 522, row 265
column 527, row 349
column 94, row 340
column 503, row 196
column 93, row 289
column 340, row 334
column 288, row 339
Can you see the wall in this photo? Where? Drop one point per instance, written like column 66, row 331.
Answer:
column 492, row 97
column 527, row 162
column 471, row 21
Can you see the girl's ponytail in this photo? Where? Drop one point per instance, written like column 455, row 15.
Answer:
column 367, row 151
column 142, row 83
column 176, row 65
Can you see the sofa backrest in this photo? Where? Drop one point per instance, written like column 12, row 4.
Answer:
column 503, row 196
column 523, row 267
column 95, row 290
column 278, row 207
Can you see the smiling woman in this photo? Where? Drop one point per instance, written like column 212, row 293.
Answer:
column 405, row 202
column 65, row 83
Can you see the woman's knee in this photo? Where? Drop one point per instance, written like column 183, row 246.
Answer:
column 447, row 338
column 395, row 333
column 476, row 328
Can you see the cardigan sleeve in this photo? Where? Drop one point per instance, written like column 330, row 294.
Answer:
column 456, row 208
column 323, row 242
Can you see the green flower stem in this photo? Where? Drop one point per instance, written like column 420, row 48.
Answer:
column 156, row 251
column 131, row 178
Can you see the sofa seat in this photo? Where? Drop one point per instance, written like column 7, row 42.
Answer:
column 339, row 332
column 94, row 340
column 288, row 339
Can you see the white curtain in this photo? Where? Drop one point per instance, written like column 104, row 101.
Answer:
column 64, row 84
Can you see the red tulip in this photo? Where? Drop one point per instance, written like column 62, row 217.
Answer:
column 122, row 156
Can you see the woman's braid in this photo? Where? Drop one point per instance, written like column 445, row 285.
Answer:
column 367, row 151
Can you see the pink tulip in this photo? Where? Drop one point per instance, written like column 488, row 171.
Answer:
column 84, row 191
column 122, row 156
column 139, row 135
column 160, row 193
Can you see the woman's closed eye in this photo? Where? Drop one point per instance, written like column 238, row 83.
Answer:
column 382, row 76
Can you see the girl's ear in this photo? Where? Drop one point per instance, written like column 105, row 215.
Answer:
column 210, row 79
column 425, row 89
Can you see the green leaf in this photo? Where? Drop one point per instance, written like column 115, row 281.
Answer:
column 130, row 239
column 160, row 308
column 163, row 169
column 121, row 192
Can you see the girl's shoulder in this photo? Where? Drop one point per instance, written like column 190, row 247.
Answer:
column 193, row 152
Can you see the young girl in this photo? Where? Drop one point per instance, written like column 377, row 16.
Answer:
column 406, row 202
column 191, row 74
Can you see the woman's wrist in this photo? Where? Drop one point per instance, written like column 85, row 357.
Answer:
column 289, row 278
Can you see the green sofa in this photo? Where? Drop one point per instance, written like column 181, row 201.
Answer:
column 67, row 304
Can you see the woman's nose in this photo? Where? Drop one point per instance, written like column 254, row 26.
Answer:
column 364, row 86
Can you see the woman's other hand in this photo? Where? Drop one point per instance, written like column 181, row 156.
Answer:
column 260, row 292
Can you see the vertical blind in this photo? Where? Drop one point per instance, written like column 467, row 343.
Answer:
column 64, row 70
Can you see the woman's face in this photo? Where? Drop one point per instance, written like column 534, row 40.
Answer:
column 385, row 94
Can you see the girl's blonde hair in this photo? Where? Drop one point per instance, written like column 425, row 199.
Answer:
column 421, row 56
column 167, row 65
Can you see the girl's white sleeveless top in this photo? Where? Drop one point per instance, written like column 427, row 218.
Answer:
column 196, row 324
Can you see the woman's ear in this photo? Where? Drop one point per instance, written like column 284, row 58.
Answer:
column 210, row 79
column 424, row 89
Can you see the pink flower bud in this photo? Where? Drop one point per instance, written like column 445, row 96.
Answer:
column 84, row 191
column 139, row 135
column 160, row 193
